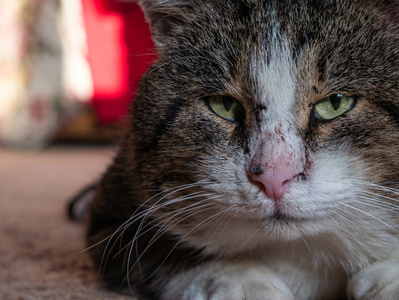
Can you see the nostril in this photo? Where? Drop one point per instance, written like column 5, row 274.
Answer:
column 287, row 181
column 257, row 170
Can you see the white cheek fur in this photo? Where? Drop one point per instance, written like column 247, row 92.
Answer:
column 330, row 180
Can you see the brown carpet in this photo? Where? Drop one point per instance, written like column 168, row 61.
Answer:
column 39, row 246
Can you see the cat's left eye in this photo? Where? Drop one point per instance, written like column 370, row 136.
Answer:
column 226, row 107
column 333, row 106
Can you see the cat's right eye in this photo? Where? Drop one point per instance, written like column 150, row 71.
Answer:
column 333, row 106
column 226, row 107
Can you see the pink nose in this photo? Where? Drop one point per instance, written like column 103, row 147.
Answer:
column 274, row 184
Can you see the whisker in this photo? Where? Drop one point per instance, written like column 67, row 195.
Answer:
column 154, row 208
column 154, row 239
column 146, row 213
column 306, row 244
column 348, row 221
column 157, row 222
column 198, row 226
column 381, row 196
column 143, row 252
column 136, row 216
column 378, row 203
column 248, row 239
column 379, row 187
column 170, row 192
column 371, row 216
column 217, row 228
column 180, row 212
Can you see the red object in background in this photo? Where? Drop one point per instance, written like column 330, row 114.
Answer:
column 120, row 51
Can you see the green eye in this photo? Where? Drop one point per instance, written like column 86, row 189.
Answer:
column 334, row 106
column 226, row 107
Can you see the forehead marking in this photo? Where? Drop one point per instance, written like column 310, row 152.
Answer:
column 273, row 77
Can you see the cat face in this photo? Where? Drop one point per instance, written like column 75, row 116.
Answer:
column 269, row 121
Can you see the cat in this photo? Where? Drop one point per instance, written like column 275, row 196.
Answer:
column 260, row 157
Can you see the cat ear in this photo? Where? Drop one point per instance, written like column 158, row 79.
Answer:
column 163, row 16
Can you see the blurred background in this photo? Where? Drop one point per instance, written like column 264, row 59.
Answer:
column 68, row 69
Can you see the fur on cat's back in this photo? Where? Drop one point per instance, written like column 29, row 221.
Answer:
column 261, row 155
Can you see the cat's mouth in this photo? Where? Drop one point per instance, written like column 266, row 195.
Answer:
column 283, row 212
column 280, row 216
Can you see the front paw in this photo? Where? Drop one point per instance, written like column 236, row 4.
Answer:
column 378, row 281
column 233, row 282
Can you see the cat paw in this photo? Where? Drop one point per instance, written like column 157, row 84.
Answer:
column 233, row 282
column 378, row 281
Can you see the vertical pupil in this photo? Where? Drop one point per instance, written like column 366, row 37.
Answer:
column 227, row 103
column 335, row 101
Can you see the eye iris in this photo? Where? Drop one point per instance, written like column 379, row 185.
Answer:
column 333, row 106
column 226, row 107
